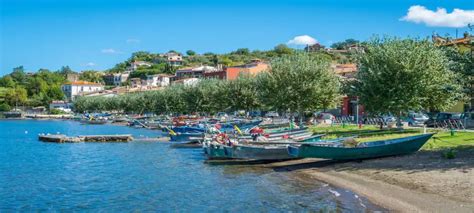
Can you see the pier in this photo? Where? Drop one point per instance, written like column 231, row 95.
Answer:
column 58, row 138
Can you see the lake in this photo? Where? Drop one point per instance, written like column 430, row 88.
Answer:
column 143, row 176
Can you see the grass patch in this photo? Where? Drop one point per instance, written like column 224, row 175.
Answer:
column 440, row 141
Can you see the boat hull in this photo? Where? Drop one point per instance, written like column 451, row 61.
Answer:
column 181, row 137
column 215, row 151
column 260, row 152
column 402, row 146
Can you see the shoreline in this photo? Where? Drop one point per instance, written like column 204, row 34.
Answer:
column 432, row 184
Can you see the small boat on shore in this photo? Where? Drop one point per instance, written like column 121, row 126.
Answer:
column 375, row 149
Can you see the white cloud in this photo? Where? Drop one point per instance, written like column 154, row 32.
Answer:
column 90, row 64
column 133, row 41
column 439, row 18
column 302, row 40
column 110, row 51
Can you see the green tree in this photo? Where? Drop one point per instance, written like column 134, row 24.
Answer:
column 16, row 96
column 5, row 107
column 344, row 44
column 190, row 53
column 91, row 76
column 283, row 49
column 398, row 75
column 7, row 81
column 299, row 83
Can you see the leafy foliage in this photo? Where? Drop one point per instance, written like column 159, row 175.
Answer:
column 398, row 75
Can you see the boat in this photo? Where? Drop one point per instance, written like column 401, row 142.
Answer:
column 375, row 149
column 270, row 150
column 186, row 136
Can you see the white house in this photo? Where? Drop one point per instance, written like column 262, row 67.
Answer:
column 73, row 89
column 194, row 72
column 174, row 59
column 187, row 81
column 116, row 79
column 61, row 105
column 159, row 80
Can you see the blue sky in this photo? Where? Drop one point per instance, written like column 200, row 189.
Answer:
column 96, row 34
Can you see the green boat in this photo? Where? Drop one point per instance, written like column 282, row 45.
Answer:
column 215, row 151
column 376, row 149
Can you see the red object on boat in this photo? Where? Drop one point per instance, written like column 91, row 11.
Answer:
column 285, row 136
column 218, row 126
column 256, row 130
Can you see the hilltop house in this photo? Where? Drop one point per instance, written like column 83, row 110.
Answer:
column 187, row 81
column 73, row 89
column 159, row 80
column 196, row 72
column 116, row 79
column 174, row 59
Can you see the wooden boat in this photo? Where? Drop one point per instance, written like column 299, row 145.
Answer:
column 215, row 151
column 278, row 135
column 272, row 150
column 382, row 148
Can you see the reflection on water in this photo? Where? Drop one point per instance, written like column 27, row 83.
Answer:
column 143, row 176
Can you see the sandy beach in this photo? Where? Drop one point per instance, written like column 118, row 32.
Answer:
column 422, row 182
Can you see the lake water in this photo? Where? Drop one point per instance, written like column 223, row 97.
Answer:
column 143, row 176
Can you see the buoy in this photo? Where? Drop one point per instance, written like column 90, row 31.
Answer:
column 26, row 132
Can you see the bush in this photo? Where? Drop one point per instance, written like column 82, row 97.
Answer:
column 5, row 107
column 56, row 112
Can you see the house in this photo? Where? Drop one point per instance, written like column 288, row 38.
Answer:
column 174, row 59
column 159, row 80
column 136, row 64
column 73, row 89
column 187, row 81
column 135, row 82
column 314, row 48
column 61, row 105
column 252, row 69
column 116, row 79
column 196, row 72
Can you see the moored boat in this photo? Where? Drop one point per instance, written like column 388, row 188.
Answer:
column 375, row 149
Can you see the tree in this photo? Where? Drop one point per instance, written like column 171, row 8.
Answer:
column 398, row 75
column 18, row 75
column 7, row 81
column 242, row 51
column 190, row 53
column 344, row 44
column 5, row 107
column 299, row 83
column 283, row 49
column 16, row 96
column 65, row 70
column 242, row 93
column 91, row 76
column 462, row 63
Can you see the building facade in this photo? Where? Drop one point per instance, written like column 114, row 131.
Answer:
column 252, row 69
column 78, row 88
column 116, row 79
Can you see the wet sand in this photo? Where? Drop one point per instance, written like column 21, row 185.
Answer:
column 421, row 182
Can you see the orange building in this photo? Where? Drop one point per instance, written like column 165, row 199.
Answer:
column 253, row 68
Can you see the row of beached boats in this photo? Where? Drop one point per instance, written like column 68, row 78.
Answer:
column 254, row 140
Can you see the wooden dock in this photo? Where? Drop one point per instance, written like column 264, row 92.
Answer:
column 58, row 138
